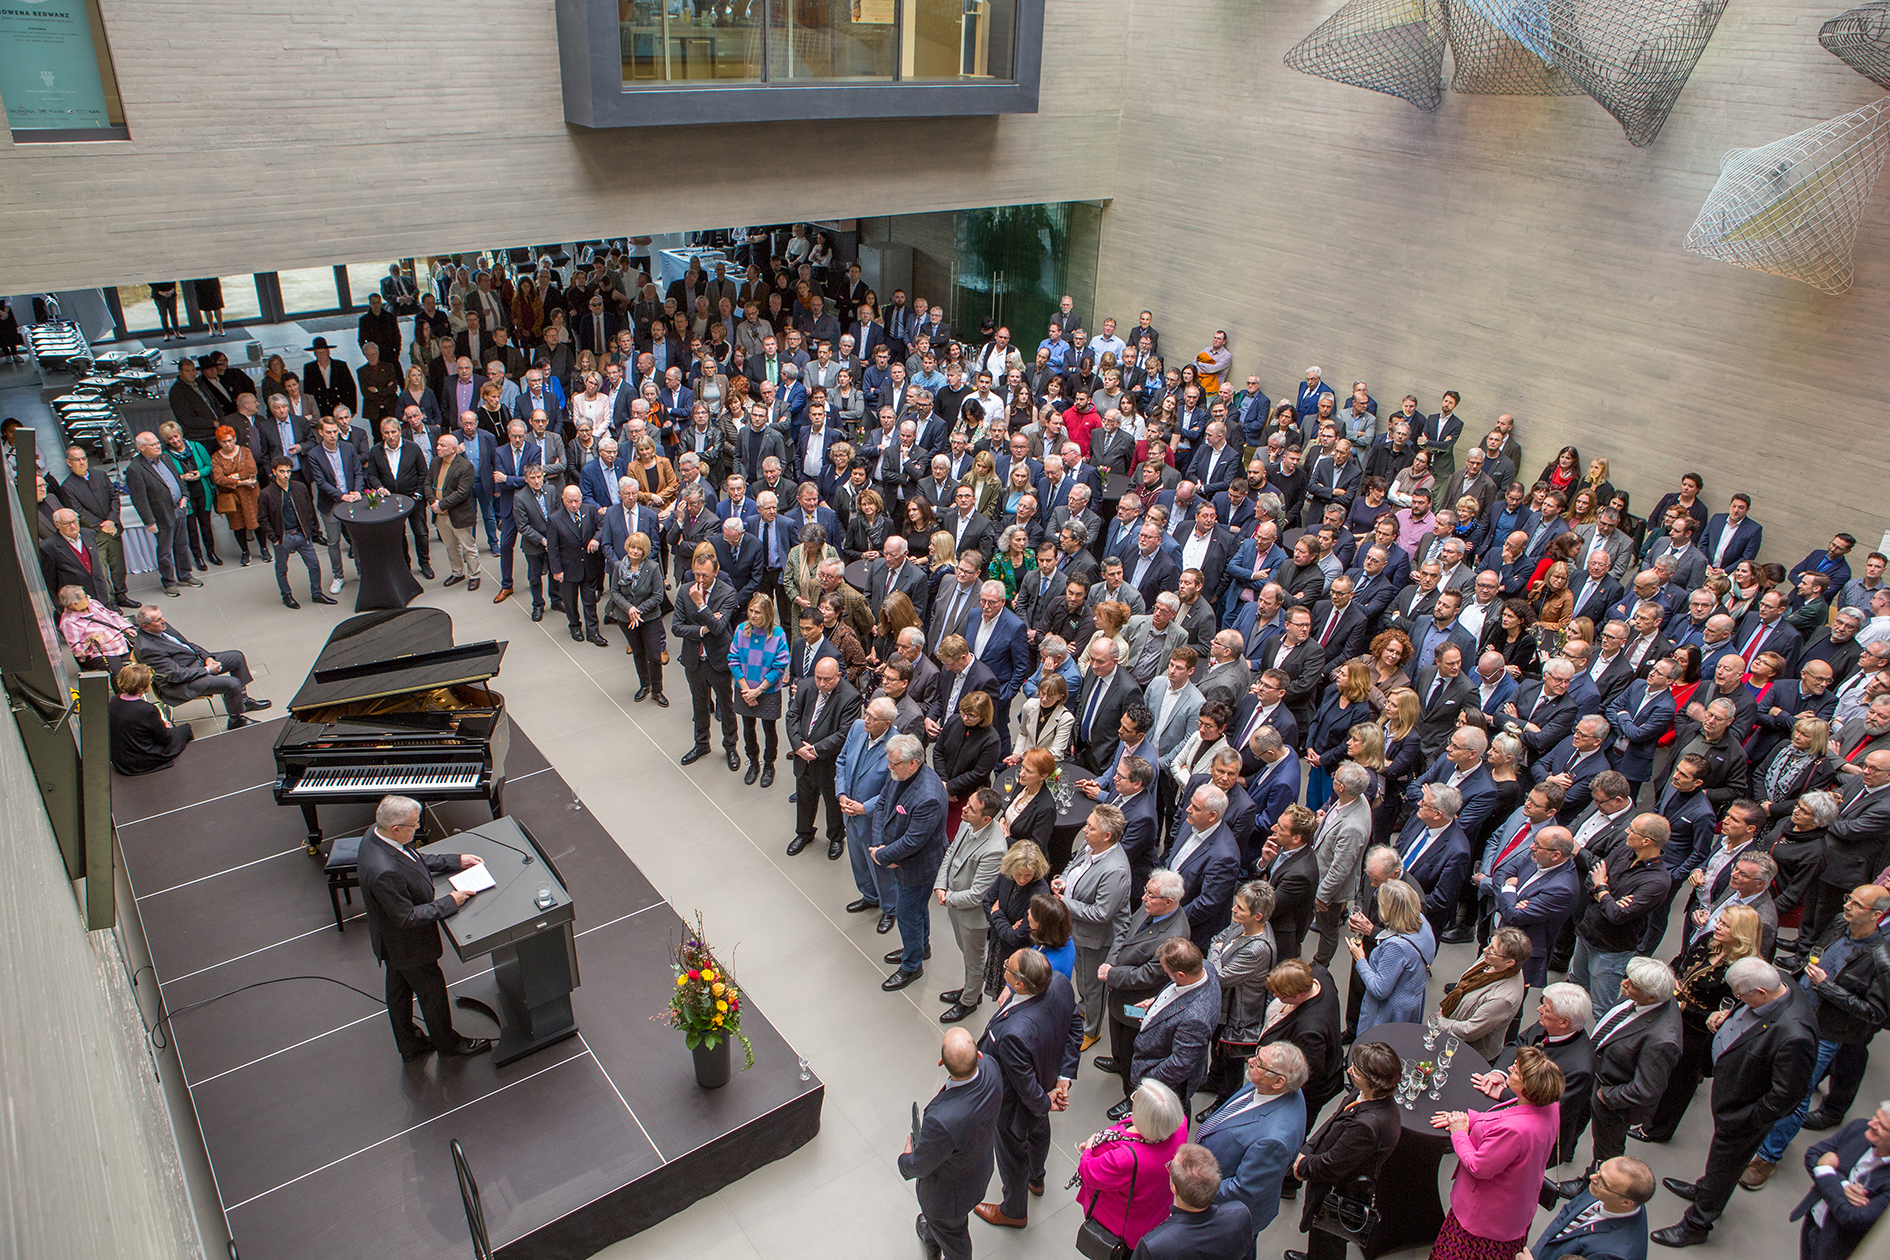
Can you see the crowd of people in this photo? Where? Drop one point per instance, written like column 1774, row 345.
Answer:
column 1323, row 668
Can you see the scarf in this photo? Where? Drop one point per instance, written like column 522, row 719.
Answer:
column 1479, row 976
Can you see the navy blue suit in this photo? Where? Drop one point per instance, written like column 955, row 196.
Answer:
column 1844, row 1226
column 513, row 465
column 1580, row 767
column 1208, row 878
column 1254, row 1147
column 1539, row 910
column 598, row 478
column 1225, row 1231
column 954, row 1153
column 1746, row 536
column 1478, row 789
column 1641, row 722
column 1609, row 1238
column 1007, row 656
column 911, row 829
column 1035, row 1044
column 1441, row 868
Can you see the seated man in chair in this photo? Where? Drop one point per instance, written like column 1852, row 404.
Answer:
column 183, row 671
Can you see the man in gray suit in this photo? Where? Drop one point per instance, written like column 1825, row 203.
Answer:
column 1095, row 890
column 953, row 1152
column 185, row 671
column 1133, row 973
column 964, row 877
column 1178, row 1028
column 1174, row 701
column 1152, row 637
column 1343, row 834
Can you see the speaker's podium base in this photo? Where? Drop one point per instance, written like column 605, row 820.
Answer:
column 524, row 922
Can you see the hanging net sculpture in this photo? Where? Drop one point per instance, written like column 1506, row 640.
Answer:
column 1486, row 61
column 1861, row 40
column 1791, row 207
column 1391, row 46
column 1631, row 56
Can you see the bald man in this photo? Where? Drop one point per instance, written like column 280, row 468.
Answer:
column 951, row 1153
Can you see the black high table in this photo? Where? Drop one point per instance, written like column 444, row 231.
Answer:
column 379, row 535
column 1409, row 1211
column 1070, row 819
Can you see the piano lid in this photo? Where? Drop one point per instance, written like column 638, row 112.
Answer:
column 393, row 652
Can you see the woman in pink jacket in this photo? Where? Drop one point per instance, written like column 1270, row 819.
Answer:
column 1501, row 1156
column 1137, row 1150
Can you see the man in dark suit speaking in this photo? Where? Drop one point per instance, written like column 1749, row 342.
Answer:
column 403, row 918
column 952, row 1154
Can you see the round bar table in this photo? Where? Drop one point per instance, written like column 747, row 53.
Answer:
column 1070, row 818
column 379, row 535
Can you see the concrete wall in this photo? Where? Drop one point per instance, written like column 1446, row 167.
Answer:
column 1516, row 249
column 267, row 135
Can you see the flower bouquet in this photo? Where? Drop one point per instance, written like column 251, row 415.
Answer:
column 707, row 1006
column 374, row 498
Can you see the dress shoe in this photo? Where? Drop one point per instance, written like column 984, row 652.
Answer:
column 1457, row 936
column 217, row 560
column 662, row 701
column 1292, row 1255
column 694, row 755
column 900, row 979
column 455, row 580
column 734, row 761
column 894, row 955
column 950, row 996
column 1089, row 1039
column 1685, row 1189
column 767, row 776
column 1640, row 1133
column 466, row 1046
column 288, row 601
column 861, row 906
column 538, row 614
column 993, row 1214
column 320, row 598
column 472, row 584
column 505, row 593
column 1121, row 1109
column 1566, row 1189
column 797, row 844
column 237, row 724
column 577, row 634
column 251, row 706
column 426, row 570
column 1105, row 1064
column 1757, row 1173
column 932, row 1250
column 1681, row 1235
column 754, row 772
column 597, row 640
column 1200, row 1117
column 126, row 601
column 643, row 693
column 418, row 1052
column 1820, row 1120
column 886, row 921
column 1035, row 1187
column 957, row 1012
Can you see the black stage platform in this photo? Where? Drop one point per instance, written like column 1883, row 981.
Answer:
column 321, row 1141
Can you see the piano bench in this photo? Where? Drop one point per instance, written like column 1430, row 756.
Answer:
column 342, row 873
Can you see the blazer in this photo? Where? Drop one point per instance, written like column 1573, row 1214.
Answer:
column 1575, row 1055
column 93, row 497
column 1608, row 1238
column 911, row 825
column 1747, row 536
column 1346, row 639
column 1141, row 834
column 149, row 495
column 911, row 579
column 1354, row 1142
column 706, row 629
column 1208, row 878
column 1581, row 768
column 1638, row 724
column 1036, row 821
column 597, row 479
column 453, row 488
column 1441, row 868
column 956, row 1148
column 412, row 479
column 1478, row 790
column 1035, row 1045
column 978, row 677
column 1438, row 717
column 965, row 759
column 1254, row 1147
column 1225, row 1231
column 1766, row 1072
column 1540, row 911
column 1294, row 875
column 1098, row 751
column 1340, row 847
column 1844, row 1226
column 1500, row 1161
column 1172, row 1044
column 1162, row 574
column 403, row 915
column 1553, row 716
column 328, row 492
column 1633, row 1063
column 339, row 391
column 1097, row 897
column 513, row 465
column 1270, row 789
column 1135, row 970
column 860, row 774
column 1007, row 654
column 568, row 552
column 61, row 566
column 1854, row 841
column 1316, row 1028
column 269, row 509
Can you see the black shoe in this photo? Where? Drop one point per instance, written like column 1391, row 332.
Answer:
column 861, row 906
column 662, row 701
column 1200, row 1117
column 1566, row 1189
column 1820, row 1120
column 538, row 614
column 894, row 955
column 951, row 996
column 900, row 979
column 466, row 1046
column 886, row 921
column 643, row 693
column 322, row 597
column 734, row 760
column 577, row 634
column 1457, row 936
column 767, row 775
column 1680, row 1235
column 754, row 772
column 217, row 560
column 797, row 844
column 1104, row 1063
column 237, row 723
column 251, row 706
column 1641, row 1133
column 455, row 580
column 597, row 640
column 1687, row 1190
column 694, row 755
column 245, row 560
column 263, row 553
column 957, row 1012
column 1121, row 1109
column 426, row 571
column 835, row 848
column 1290, row 1189
column 932, row 1250
column 288, row 601
column 125, row 601
column 1292, row 1255
column 418, row 1052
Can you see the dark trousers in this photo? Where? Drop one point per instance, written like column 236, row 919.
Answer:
column 1331, row 924
column 1823, row 902
column 112, row 548
column 1323, row 1246
column 576, row 595
column 231, row 684
column 913, row 908
column 768, row 748
column 535, row 566
column 488, row 512
column 1609, row 1129
column 952, row 1235
column 294, row 543
column 203, row 538
column 1121, row 1040
column 173, row 552
column 428, row 984
column 813, row 786
column 1696, row 1053
column 1726, row 1158
column 508, row 539
column 167, row 315
column 1847, row 1077
column 1020, row 1160
column 417, row 521
column 646, row 647
column 712, row 688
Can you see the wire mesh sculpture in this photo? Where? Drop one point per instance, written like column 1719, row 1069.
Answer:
column 1485, row 61
column 1791, row 207
column 1860, row 39
column 1631, row 56
column 1391, row 46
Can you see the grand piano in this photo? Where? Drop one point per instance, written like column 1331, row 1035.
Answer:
column 394, row 706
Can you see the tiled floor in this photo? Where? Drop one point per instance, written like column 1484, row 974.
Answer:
column 707, row 842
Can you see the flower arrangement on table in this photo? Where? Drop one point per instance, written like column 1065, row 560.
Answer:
column 374, row 498
column 706, row 1004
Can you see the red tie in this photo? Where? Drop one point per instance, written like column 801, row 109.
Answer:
column 1752, row 644
column 1513, row 845
column 1325, row 636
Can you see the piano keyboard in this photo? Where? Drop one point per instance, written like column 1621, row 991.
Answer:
column 419, row 780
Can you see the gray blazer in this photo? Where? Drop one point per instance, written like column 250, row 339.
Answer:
column 969, row 869
column 1135, row 973
column 1340, row 846
column 1242, row 962
column 1181, row 720
column 1136, row 634
column 1173, row 1044
column 1097, row 897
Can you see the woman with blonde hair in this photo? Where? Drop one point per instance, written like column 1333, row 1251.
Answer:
column 1348, row 704
column 800, row 577
column 758, row 659
column 1395, row 973
column 592, row 406
column 418, row 395
column 636, row 603
column 1702, row 992
column 1112, row 616
column 984, row 483
column 1022, row 874
column 654, row 473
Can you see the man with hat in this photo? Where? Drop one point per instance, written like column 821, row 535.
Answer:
column 329, row 381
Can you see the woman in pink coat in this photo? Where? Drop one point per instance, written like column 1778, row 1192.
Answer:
column 1501, row 1156
column 1142, row 1145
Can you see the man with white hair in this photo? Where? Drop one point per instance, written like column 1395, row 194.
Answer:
column 1561, row 1032
column 1436, row 852
column 1763, row 1051
column 1256, row 1133
column 1206, row 856
column 997, row 640
column 1637, row 1042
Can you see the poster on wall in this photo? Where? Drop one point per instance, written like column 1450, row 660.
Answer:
column 49, row 74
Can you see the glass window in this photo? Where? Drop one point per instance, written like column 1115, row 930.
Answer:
column 365, row 278
column 679, row 41
column 140, row 311
column 828, row 40
column 240, row 299
column 309, row 289
column 957, row 39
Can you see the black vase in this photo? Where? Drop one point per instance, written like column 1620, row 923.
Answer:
column 712, row 1065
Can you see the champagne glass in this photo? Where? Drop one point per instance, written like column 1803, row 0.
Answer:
column 1433, row 1024
column 1451, row 1045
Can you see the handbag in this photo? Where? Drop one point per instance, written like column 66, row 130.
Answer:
column 1346, row 1215
column 1097, row 1241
